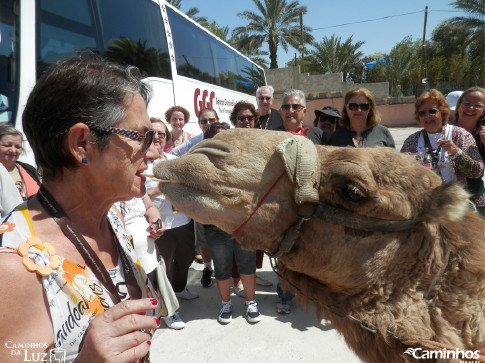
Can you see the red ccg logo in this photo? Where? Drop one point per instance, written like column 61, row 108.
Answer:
column 202, row 100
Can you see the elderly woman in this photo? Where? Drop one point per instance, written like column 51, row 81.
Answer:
column 449, row 150
column 24, row 175
column 243, row 115
column 177, row 117
column 360, row 123
column 67, row 264
column 470, row 114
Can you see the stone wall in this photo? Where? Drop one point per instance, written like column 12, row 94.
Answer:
column 329, row 89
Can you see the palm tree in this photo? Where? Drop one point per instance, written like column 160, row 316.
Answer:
column 332, row 56
column 278, row 23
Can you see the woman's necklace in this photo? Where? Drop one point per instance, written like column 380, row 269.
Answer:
column 178, row 141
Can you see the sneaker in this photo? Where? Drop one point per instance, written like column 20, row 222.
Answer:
column 239, row 291
column 263, row 282
column 206, row 279
column 225, row 316
column 174, row 322
column 187, row 295
column 283, row 308
column 252, row 312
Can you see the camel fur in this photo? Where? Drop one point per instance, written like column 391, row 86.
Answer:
column 424, row 283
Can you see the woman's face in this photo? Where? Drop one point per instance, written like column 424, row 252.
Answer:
column 470, row 110
column 116, row 169
column 245, row 119
column 177, row 120
column 160, row 136
column 207, row 118
column 430, row 117
column 10, row 149
column 358, row 108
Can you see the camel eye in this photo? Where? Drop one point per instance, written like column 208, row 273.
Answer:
column 354, row 193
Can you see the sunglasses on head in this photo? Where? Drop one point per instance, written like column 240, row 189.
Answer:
column 204, row 121
column 261, row 98
column 244, row 118
column 423, row 113
column 146, row 139
column 324, row 118
column 217, row 125
column 293, row 107
column 355, row 106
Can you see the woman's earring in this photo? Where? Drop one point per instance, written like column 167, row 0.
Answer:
column 84, row 160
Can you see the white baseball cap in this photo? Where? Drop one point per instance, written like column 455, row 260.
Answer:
column 452, row 99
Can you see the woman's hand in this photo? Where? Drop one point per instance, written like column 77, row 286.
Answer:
column 448, row 146
column 157, row 228
column 120, row 334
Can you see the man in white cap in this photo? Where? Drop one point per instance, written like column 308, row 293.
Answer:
column 452, row 99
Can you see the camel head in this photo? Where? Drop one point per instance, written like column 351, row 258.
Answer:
column 257, row 184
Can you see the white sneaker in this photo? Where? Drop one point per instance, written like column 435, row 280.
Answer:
column 174, row 322
column 252, row 313
column 225, row 316
column 187, row 294
column 239, row 291
column 263, row 282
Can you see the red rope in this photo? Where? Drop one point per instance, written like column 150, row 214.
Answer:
column 259, row 204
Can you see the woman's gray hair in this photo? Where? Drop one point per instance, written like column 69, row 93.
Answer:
column 84, row 89
column 8, row 129
column 294, row 93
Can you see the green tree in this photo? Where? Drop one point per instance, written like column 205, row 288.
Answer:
column 331, row 55
column 277, row 24
column 191, row 13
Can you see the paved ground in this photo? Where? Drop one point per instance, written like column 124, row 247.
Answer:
column 297, row 337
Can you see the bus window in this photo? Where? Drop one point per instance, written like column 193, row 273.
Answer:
column 193, row 54
column 249, row 77
column 225, row 65
column 8, row 61
column 128, row 32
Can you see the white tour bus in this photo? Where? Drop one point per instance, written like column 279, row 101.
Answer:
column 185, row 64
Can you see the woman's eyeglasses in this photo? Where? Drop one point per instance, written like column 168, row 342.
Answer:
column 261, row 98
column 160, row 134
column 146, row 138
column 469, row 105
column 294, row 107
column 423, row 113
column 204, row 121
column 355, row 106
column 324, row 118
column 217, row 125
column 243, row 118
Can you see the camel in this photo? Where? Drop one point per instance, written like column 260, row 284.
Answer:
column 386, row 252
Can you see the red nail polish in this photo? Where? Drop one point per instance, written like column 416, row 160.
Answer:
column 149, row 342
column 157, row 321
column 154, row 302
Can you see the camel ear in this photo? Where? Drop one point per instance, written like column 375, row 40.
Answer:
column 448, row 203
column 300, row 158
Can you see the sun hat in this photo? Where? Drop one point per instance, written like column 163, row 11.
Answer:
column 452, row 99
column 328, row 110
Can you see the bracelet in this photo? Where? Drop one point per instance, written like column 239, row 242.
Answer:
column 458, row 153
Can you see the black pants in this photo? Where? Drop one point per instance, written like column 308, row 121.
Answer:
column 177, row 249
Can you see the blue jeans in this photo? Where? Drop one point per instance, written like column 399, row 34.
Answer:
column 222, row 247
column 284, row 296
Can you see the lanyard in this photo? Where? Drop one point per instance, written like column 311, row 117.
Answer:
column 435, row 155
column 83, row 247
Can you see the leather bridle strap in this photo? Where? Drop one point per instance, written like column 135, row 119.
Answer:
column 335, row 215
column 259, row 204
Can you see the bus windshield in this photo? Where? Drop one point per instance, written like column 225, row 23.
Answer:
column 8, row 64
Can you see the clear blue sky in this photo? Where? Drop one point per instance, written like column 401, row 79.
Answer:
column 380, row 23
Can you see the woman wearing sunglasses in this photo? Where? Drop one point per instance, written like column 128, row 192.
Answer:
column 360, row 123
column 449, row 150
column 66, row 262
